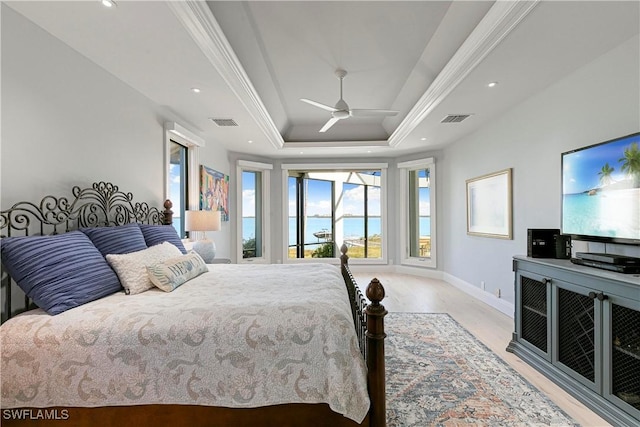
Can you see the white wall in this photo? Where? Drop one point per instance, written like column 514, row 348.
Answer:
column 66, row 122
column 598, row 102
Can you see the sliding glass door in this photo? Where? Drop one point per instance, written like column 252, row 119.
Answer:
column 331, row 208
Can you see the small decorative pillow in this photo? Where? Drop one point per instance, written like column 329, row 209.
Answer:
column 132, row 268
column 122, row 239
column 156, row 234
column 58, row 272
column 176, row 271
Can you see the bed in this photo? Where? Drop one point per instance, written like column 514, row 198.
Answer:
column 228, row 345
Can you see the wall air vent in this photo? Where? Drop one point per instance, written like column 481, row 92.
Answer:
column 455, row 118
column 224, row 122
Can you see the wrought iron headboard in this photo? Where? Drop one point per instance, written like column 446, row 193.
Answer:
column 103, row 204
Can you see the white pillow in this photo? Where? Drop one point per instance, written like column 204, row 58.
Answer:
column 131, row 268
column 174, row 272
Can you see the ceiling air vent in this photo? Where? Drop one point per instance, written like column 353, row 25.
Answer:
column 224, row 122
column 455, row 118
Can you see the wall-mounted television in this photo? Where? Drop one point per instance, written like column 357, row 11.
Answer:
column 601, row 191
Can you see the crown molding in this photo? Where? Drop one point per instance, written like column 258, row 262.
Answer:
column 198, row 20
column 503, row 17
column 335, row 143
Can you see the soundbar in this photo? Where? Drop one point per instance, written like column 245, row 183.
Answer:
column 608, row 258
column 619, row 268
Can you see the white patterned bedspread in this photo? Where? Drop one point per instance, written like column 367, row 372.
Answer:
column 237, row 336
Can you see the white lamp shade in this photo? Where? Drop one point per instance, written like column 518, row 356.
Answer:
column 202, row 220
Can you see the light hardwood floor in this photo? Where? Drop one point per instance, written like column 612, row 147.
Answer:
column 405, row 293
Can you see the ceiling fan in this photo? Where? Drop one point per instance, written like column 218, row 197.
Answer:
column 341, row 109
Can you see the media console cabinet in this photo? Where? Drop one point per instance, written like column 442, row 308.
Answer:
column 580, row 326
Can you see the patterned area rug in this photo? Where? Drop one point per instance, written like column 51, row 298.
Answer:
column 440, row 374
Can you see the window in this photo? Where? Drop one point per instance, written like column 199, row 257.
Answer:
column 178, row 184
column 332, row 205
column 311, row 221
column 418, row 212
column 253, row 228
column 182, row 180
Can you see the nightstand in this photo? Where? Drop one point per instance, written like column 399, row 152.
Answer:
column 221, row 261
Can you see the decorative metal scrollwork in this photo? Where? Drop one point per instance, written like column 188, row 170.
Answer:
column 103, row 204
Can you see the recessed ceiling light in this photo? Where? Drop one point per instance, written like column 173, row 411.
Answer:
column 250, row 141
column 423, row 139
column 492, row 84
column 108, row 3
column 195, row 90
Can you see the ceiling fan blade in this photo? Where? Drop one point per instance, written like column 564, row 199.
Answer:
column 372, row 113
column 317, row 104
column 332, row 121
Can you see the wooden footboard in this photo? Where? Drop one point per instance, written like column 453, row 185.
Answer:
column 369, row 323
column 290, row 415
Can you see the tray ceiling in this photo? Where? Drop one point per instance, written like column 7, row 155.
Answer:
column 253, row 61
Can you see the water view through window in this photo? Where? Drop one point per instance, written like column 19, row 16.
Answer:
column 329, row 208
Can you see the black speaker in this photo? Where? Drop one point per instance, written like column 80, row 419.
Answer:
column 562, row 246
column 541, row 242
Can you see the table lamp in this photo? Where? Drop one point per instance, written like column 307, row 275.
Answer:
column 203, row 221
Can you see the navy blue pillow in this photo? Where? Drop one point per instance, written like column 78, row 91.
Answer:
column 58, row 272
column 122, row 239
column 156, row 234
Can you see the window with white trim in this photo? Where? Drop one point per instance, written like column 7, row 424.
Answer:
column 182, row 173
column 418, row 210
column 329, row 205
column 178, row 184
column 253, row 227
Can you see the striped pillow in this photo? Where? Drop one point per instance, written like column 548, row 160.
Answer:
column 156, row 234
column 174, row 272
column 58, row 272
column 122, row 239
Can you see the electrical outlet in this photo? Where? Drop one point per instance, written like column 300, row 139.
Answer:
column 497, row 292
column 482, row 286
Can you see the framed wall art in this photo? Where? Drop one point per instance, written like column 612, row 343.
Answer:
column 489, row 205
column 214, row 191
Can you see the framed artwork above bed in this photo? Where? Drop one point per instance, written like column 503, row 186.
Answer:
column 214, row 191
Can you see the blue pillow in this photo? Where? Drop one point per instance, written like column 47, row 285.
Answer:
column 156, row 234
column 58, row 272
column 122, row 239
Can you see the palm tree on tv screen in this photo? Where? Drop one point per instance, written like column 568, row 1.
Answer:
column 605, row 174
column 631, row 163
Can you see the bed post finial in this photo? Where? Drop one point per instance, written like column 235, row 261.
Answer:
column 167, row 218
column 344, row 258
column 375, row 353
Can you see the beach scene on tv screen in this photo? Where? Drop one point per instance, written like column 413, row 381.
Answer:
column 601, row 190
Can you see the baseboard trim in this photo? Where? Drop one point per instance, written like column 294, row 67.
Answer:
column 418, row 271
column 501, row 305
